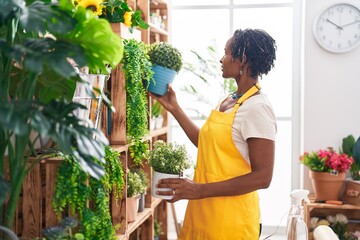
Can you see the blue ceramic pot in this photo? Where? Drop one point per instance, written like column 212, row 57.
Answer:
column 162, row 76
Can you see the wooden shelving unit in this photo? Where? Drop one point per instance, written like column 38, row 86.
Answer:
column 143, row 226
column 35, row 203
column 322, row 210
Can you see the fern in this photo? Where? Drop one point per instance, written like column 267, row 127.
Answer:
column 137, row 70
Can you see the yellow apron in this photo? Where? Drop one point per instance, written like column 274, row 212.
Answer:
column 221, row 218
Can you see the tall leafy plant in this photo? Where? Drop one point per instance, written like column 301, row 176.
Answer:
column 37, row 83
column 137, row 70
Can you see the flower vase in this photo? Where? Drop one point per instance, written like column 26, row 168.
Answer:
column 327, row 185
column 162, row 76
column 156, row 177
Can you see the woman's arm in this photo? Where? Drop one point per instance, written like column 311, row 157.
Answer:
column 261, row 153
column 170, row 103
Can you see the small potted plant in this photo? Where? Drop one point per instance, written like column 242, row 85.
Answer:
column 157, row 230
column 327, row 172
column 143, row 187
column 168, row 160
column 134, row 187
column 156, row 117
column 352, row 185
column 167, row 62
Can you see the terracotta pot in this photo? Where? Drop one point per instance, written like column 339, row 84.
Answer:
column 327, row 186
column 132, row 206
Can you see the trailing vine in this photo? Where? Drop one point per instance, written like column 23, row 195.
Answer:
column 75, row 189
column 137, row 70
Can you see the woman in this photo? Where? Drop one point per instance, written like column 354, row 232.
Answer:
column 236, row 147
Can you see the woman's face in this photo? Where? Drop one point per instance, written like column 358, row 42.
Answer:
column 229, row 65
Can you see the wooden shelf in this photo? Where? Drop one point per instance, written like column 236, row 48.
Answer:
column 155, row 29
column 159, row 132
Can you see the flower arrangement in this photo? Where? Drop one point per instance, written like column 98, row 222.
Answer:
column 326, row 161
column 114, row 11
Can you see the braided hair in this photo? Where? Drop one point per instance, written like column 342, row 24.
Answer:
column 258, row 47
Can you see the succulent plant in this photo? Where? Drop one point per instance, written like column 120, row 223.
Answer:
column 166, row 55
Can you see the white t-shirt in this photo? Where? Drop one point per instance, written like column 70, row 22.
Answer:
column 254, row 118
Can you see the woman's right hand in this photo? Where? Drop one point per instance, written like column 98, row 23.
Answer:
column 169, row 100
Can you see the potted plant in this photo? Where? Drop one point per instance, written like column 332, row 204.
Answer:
column 168, row 160
column 38, row 83
column 156, row 115
column 167, row 62
column 144, row 185
column 327, row 172
column 134, row 187
column 352, row 186
column 157, row 230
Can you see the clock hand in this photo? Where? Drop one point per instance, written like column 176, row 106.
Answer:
column 348, row 24
column 337, row 26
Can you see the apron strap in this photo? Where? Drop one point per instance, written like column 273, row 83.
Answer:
column 254, row 89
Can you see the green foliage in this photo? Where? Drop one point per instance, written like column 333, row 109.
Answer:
column 134, row 184
column 74, row 189
column 164, row 54
column 352, row 149
column 168, row 157
column 137, row 70
column 37, row 83
column 157, row 229
column 63, row 230
column 205, row 73
column 114, row 12
column 156, row 109
column 102, row 46
column 144, row 179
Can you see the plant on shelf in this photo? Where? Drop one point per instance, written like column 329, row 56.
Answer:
column 352, row 149
column 157, row 230
column 134, row 187
column 115, row 11
column 37, row 85
column 167, row 62
column 156, row 115
column 168, row 160
column 63, row 231
column 327, row 172
column 326, row 161
column 137, row 70
column 74, row 189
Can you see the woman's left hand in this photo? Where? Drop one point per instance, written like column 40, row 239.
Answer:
column 182, row 188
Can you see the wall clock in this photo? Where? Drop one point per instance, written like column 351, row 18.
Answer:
column 337, row 28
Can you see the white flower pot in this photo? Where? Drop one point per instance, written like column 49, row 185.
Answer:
column 156, row 177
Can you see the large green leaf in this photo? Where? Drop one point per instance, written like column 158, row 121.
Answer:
column 102, row 46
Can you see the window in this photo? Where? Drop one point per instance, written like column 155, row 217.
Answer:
column 197, row 24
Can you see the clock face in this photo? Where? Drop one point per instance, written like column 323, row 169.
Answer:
column 337, row 28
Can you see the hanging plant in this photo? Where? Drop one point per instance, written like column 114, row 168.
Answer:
column 75, row 188
column 137, row 70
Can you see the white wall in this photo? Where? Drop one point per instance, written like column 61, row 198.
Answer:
column 331, row 90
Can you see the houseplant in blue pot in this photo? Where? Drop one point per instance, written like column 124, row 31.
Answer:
column 167, row 62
